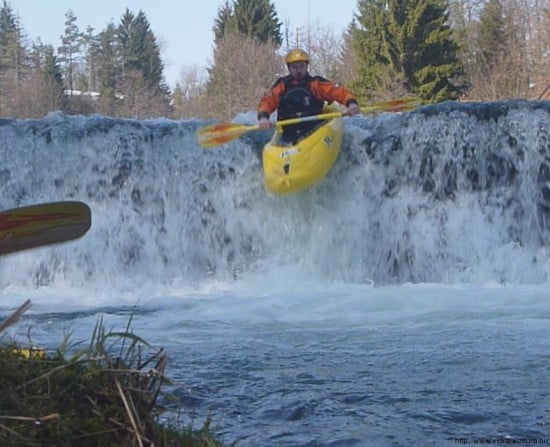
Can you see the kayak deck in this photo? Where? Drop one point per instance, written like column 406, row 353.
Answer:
column 289, row 168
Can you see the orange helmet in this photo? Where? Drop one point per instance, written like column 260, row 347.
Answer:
column 296, row 55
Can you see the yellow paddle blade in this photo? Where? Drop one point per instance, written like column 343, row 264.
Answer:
column 394, row 105
column 43, row 224
column 216, row 134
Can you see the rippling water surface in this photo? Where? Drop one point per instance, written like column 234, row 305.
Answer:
column 347, row 365
column 405, row 300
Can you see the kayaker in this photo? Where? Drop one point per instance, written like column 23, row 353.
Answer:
column 300, row 94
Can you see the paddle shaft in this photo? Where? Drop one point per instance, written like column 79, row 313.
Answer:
column 217, row 134
column 303, row 119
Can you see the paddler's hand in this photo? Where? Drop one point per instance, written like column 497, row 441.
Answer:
column 353, row 109
column 264, row 123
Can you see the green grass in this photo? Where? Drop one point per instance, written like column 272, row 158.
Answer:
column 104, row 395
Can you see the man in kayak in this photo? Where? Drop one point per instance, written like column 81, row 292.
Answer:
column 300, row 94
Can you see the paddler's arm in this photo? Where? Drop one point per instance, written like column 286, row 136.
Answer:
column 329, row 91
column 269, row 103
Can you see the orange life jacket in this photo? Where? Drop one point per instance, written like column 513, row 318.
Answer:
column 316, row 88
column 297, row 99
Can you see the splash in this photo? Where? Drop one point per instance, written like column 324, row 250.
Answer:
column 448, row 193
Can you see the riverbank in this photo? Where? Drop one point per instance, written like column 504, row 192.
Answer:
column 107, row 394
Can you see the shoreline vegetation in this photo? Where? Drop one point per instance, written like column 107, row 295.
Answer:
column 107, row 394
column 438, row 50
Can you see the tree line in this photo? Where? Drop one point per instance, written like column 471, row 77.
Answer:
column 117, row 71
column 435, row 49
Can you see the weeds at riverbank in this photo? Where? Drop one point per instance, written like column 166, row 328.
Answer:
column 105, row 395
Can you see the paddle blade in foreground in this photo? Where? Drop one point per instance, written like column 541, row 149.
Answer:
column 43, row 224
column 217, row 134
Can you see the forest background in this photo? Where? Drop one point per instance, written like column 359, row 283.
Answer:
column 471, row 50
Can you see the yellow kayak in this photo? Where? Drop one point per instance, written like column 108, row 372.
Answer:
column 290, row 168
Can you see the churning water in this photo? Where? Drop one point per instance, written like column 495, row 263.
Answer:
column 403, row 301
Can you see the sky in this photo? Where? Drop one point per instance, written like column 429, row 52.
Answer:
column 183, row 28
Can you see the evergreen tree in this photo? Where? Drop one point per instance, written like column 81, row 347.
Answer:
column 178, row 101
column 153, row 67
column 90, row 44
column 258, row 19
column 108, row 60
column 140, row 51
column 109, row 68
column 69, row 51
column 247, row 31
column 129, row 41
column 431, row 60
column 500, row 68
column 368, row 40
column 492, row 41
column 224, row 23
column 51, row 68
column 142, row 67
column 42, row 91
column 13, row 57
column 407, row 42
column 253, row 19
column 13, row 54
column 347, row 59
column 52, row 79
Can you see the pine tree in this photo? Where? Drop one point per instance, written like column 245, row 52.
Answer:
column 153, row 66
column 178, row 101
column 109, row 69
column 501, row 69
column 69, row 51
column 130, row 44
column 140, row 51
column 258, row 19
column 407, row 42
column 108, row 61
column 492, row 41
column 42, row 90
column 90, row 44
column 347, row 59
column 224, row 23
column 14, row 57
column 52, row 79
column 142, row 67
column 252, row 19
column 368, row 40
column 246, row 31
column 431, row 63
column 13, row 53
